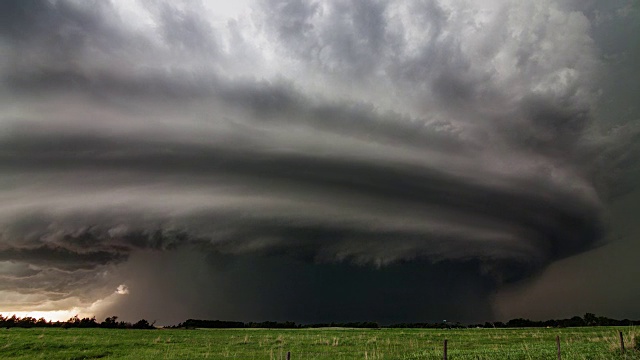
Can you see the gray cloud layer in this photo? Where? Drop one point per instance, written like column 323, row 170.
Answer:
column 313, row 147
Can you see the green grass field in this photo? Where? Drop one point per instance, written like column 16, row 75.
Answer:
column 576, row 343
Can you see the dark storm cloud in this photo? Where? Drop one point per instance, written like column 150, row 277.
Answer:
column 102, row 86
column 57, row 33
column 322, row 144
column 29, row 20
column 267, row 101
column 537, row 213
column 57, row 257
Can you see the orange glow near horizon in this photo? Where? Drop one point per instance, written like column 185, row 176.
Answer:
column 53, row 315
column 81, row 311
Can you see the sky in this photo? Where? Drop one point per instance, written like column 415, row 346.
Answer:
column 312, row 161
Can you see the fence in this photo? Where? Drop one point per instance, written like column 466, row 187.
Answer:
column 559, row 351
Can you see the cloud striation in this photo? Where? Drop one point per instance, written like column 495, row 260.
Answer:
column 294, row 160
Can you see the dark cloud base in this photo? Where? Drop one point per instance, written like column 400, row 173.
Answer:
column 279, row 287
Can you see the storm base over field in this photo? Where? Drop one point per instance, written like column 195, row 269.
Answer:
column 318, row 161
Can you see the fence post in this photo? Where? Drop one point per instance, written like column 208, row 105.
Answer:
column 445, row 349
column 621, row 342
column 558, row 346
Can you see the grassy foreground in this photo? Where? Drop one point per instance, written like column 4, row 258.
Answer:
column 576, row 343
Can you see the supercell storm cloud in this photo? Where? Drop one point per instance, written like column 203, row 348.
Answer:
column 296, row 160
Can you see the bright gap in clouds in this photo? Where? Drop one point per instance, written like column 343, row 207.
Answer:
column 53, row 315
column 81, row 311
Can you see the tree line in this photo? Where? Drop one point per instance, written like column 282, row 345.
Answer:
column 112, row 322
column 219, row 324
column 74, row 322
column 588, row 319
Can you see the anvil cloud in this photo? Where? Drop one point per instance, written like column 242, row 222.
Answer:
column 299, row 160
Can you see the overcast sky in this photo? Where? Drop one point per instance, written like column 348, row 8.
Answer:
column 319, row 160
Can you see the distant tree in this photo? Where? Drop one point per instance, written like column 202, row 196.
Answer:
column 12, row 321
column 72, row 322
column 110, row 322
column 575, row 321
column 26, row 322
column 143, row 324
column 88, row 323
column 590, row 319
column 42, row 323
